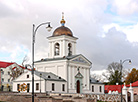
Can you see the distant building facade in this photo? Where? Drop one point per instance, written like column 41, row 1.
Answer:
column 5, row 74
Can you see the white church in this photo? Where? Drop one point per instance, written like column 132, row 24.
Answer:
column 63, row 71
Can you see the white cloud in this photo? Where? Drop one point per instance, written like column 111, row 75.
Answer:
column 125, row 7
column 98, row 72
column 132, row 32
column 111, row 25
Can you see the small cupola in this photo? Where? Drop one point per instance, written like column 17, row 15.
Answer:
column 62, row 30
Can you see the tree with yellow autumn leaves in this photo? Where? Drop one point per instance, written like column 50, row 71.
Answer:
column 132, row 76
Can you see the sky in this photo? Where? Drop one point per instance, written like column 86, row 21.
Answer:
column 107, row 29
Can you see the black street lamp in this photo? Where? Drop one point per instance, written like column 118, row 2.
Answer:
column 121, row 66
column 33, row 42
column 40, row 81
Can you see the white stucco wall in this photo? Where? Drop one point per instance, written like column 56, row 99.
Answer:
column 58, row 86
column 63, row 42
column 97, row 88
column 68, row 70
column 46, row 86
column 84, row 69
column 59, row 67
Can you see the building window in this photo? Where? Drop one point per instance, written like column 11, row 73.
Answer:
column 8, row 80
column 49, row 77
column 57, row 49
column 27, row 76
column 8, row 73
column 100, row 89
column 2, row 80
column 69, row 49
column 9, row 88
column 2, row 72
column 37, row 86
column 92, row 88
column 18, row 86
column 53, row 87
column 63, row 87
column 28, row 87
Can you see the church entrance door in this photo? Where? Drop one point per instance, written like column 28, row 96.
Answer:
column 78, row 86
column 78, row 82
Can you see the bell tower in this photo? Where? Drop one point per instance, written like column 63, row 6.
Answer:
column 62, row 42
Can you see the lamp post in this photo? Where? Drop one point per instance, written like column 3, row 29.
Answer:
column 121, row 66
column 40, row 81
column 33, row 42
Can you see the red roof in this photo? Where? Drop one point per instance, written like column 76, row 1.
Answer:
column 5, row 64
column 118, row 87
column 13, row 67
column 113, row 88
column 135, row 84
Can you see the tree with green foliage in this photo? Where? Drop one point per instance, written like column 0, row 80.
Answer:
column 115, row 78
column 113, row 74
column 132, row 76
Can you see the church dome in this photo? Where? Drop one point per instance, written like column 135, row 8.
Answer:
column 62, row 30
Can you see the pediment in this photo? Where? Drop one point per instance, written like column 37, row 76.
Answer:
column 81, row 59
column 79, row 75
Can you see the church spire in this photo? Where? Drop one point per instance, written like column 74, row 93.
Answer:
column 62, row 21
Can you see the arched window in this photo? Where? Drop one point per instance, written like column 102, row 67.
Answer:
column 57, row 48
column 69, row 49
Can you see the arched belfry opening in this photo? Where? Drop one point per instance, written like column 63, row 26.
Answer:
column 69, row 49
column 57, row 49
